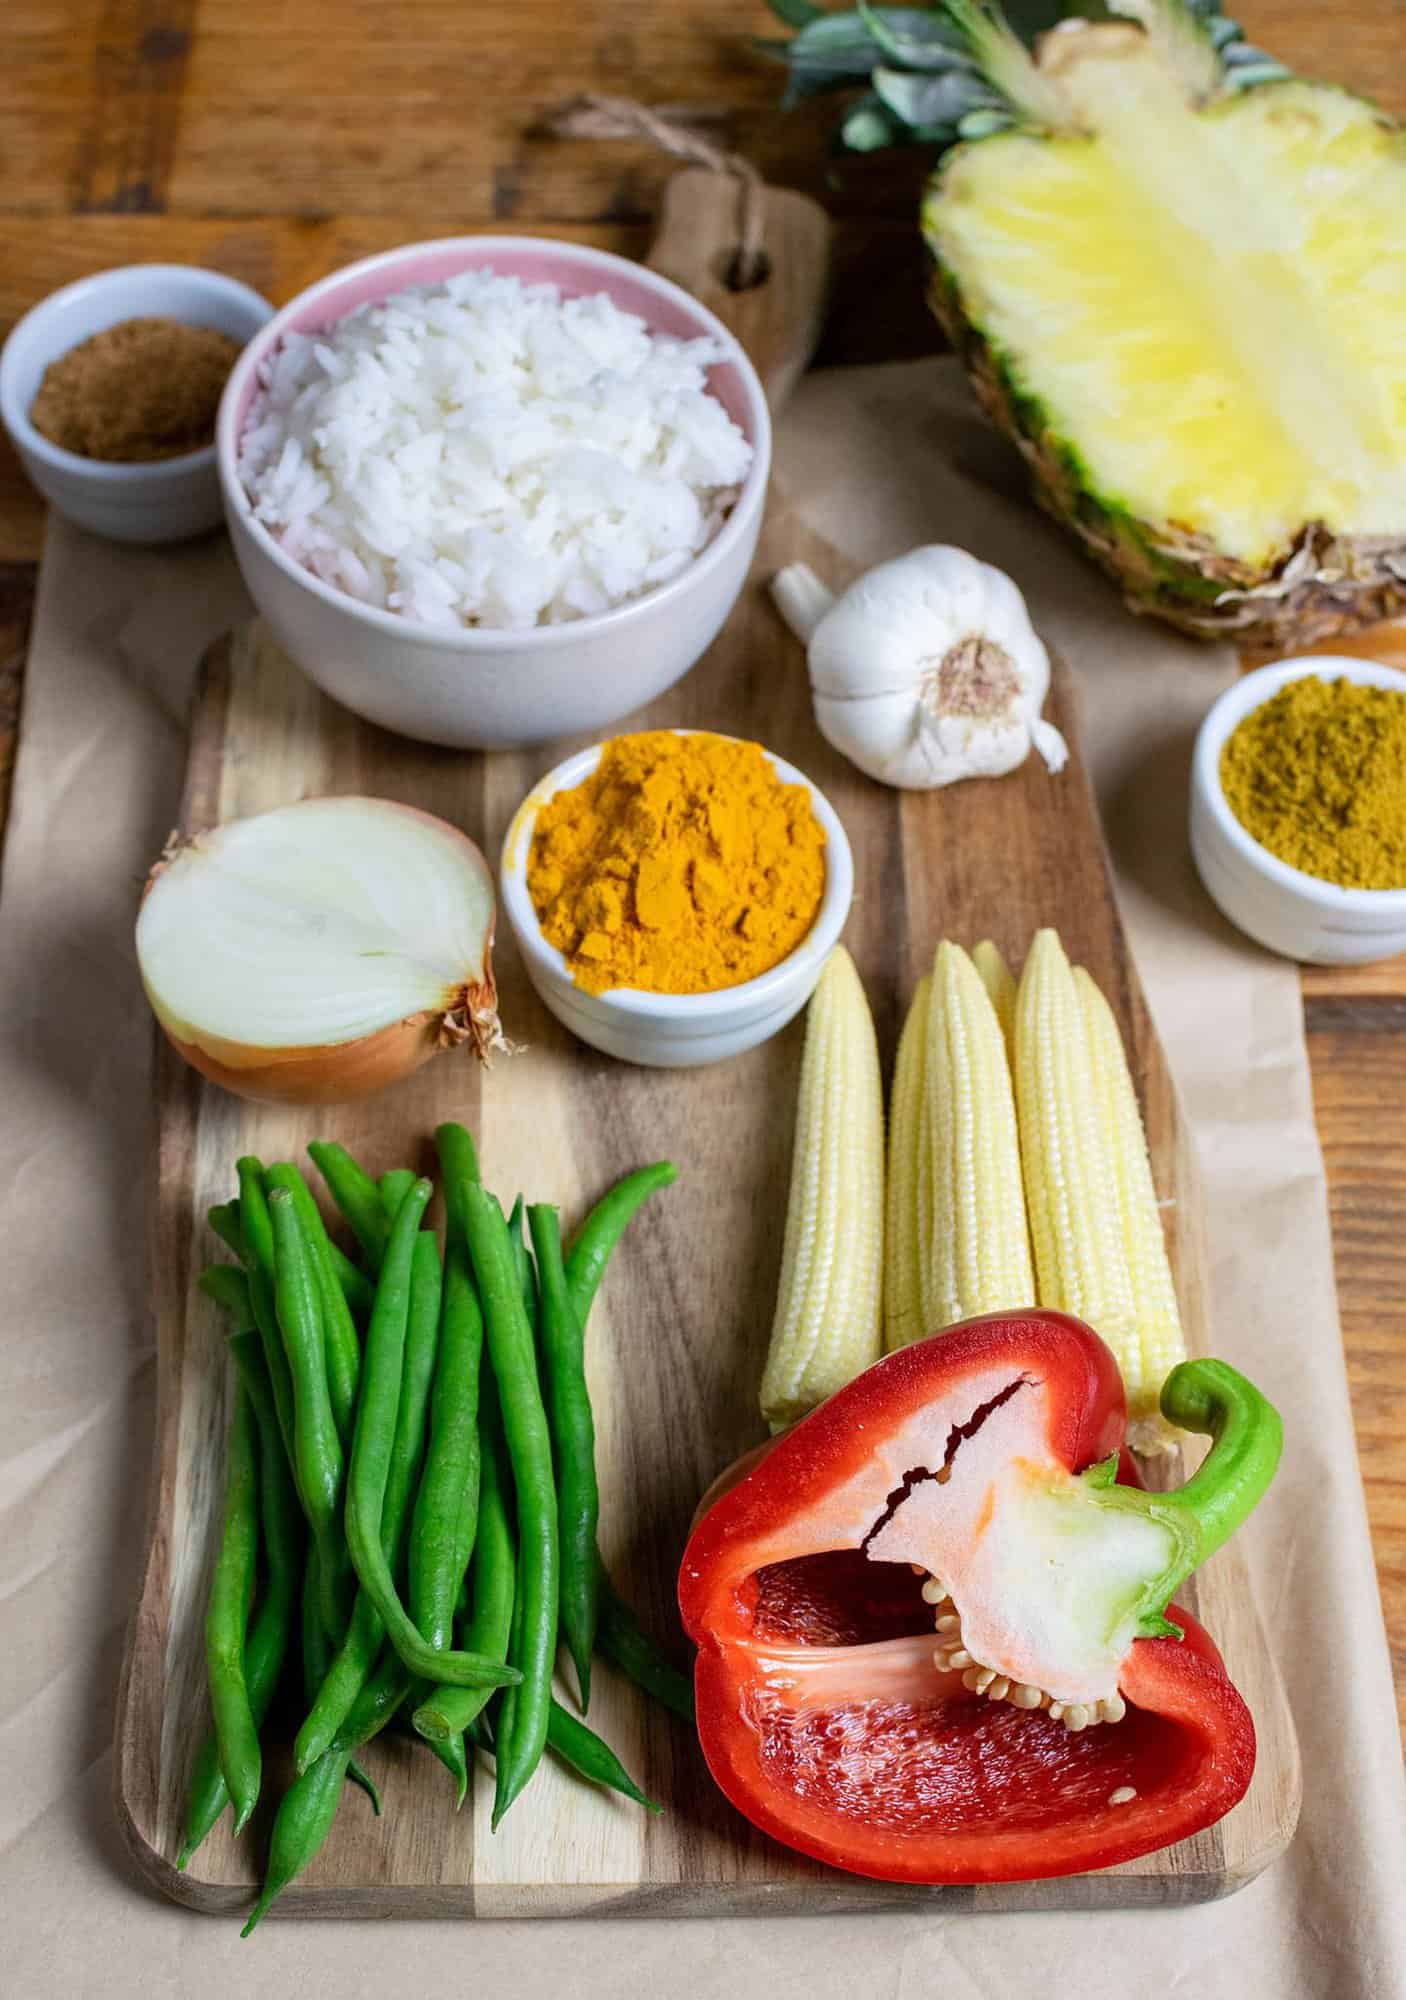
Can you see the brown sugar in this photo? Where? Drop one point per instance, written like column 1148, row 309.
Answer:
column 144, row 389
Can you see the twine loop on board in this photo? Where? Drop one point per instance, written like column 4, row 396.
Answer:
column 593, row 116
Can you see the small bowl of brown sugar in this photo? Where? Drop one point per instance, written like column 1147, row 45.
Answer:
column 109, row 390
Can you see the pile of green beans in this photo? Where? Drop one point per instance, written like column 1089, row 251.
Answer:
column 411, row 1508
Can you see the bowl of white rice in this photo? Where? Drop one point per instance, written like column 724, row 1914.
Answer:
column 494, row 490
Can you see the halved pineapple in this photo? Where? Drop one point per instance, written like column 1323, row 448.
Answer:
column 1188, row 305
column 1177, row 276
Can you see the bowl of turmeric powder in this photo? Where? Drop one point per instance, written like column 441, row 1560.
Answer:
column 1298, row 808
column 675, row 893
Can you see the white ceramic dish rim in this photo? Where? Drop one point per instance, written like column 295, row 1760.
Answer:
column 101, row 471
column 631, row 1001
column 494, row 639
column 1225, row 714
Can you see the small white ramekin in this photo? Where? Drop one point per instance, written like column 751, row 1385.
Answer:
column 673, row 1030
column 171, row 498
column 479, row 688
column 1295, row 914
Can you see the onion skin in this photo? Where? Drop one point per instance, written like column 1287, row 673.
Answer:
column 341, row 1072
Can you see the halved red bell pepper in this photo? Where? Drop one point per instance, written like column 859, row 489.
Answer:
column 833, row 1713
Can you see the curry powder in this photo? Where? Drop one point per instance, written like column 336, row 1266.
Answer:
column 683, row 864
column 1317, row 774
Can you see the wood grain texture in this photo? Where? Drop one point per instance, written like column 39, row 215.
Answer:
column 677, row 1347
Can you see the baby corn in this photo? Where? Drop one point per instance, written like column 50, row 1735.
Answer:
column 908, row 1195
column 829, row 1308
column 1157, row 1343
column 1071, row 1185
column 978, row 1257
column 996, row 977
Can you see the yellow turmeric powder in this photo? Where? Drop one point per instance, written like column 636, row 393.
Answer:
column 1317, row 774
column 681, row 865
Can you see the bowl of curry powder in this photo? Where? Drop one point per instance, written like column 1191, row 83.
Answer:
column 1298, row 808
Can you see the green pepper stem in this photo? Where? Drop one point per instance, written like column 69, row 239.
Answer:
column 1214, row 1399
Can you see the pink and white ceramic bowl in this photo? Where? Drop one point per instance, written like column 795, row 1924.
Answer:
column 485, row 689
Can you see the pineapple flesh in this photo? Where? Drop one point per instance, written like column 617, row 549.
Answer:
column 1188, row 305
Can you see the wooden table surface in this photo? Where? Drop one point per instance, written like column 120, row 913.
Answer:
column 277, row 139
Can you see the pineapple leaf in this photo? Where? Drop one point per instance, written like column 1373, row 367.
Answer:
column 795, row 13
column 912, row 37
column 1008, row 66
column 870, row 126
column 837, row 45
column 981, row 124
column 1247, row 66
column 932, row 101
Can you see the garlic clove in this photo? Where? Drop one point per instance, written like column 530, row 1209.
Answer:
column 1050, row 744
column 801, row 598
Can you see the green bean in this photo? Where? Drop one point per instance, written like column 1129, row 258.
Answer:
column 357, row 1197
column 359, row 1649
column 339, row 1686
column 316, row 1657
column 620, row 1640
column 303, row 1821
column 505, row 1718
column 605, row 1225
column 573, row 1446
column 377, row 1704
column 318, row 1457
column 266, row 1644
column 256, row 1240
column 393, row 1187
column 209, row 1794
column 309, row 1806
column 255, row 1222
column 363, row 1780
column 228, row 1286
column 458, row 1162
column 317, row 1647
column 231, row 1592
column 343, row 1348
column 522, row 1261
column 223, row 1218
column 522, row 1737
column 357, row 1288
column 587, row 1754
column 446, row 1507
column 452, row 1755
column 410, row 1272
column 449, row 1711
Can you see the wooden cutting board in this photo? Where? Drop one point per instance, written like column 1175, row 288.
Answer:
column 678, row 1338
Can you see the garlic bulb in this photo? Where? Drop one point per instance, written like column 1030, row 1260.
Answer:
column 926, row 670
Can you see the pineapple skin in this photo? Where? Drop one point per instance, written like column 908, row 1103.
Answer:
column 1320, row 587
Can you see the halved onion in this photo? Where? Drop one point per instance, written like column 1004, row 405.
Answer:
column 320, row 951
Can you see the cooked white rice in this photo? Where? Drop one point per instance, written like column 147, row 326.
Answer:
column 485, row 452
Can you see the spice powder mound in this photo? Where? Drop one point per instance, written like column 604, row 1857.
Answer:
column 683, row 864
column 142, row 390
column 1317, row 774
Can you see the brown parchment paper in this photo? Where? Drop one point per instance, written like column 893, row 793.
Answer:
column 877, row 460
